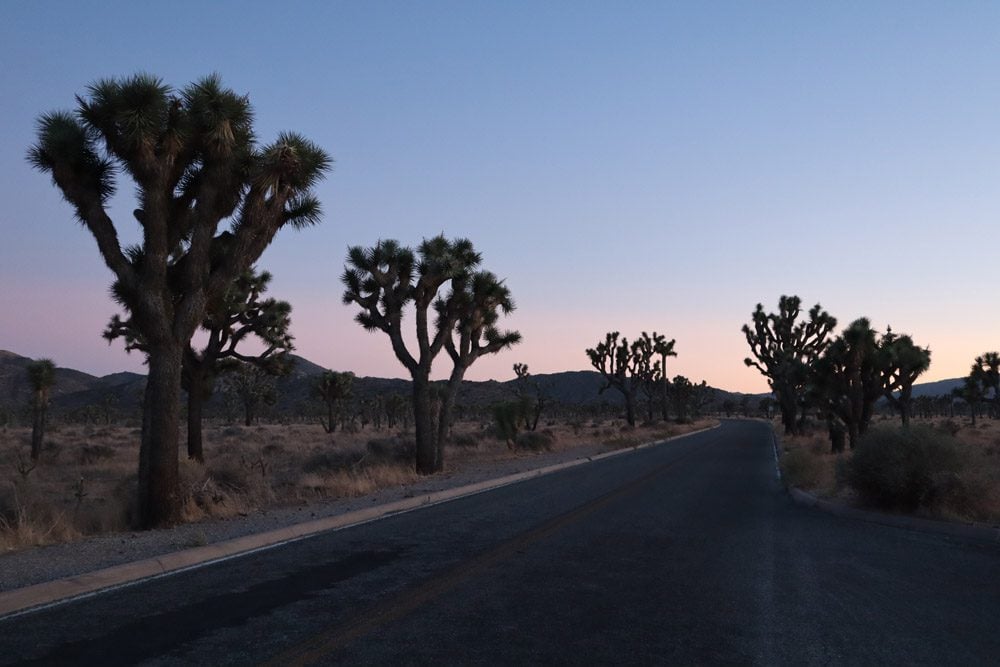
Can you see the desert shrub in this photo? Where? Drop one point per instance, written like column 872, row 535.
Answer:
column 802, row 468
column 906, row 469
column 391, row 450
column 464, row 440
column 950, row 426
column 328, row 461
column 95, row 453
column 507, row 417
column 535, row 440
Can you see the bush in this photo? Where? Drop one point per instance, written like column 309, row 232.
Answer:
column 801, row 468
column 392, row 450
column 906, row 469
column 535, row 440
column 329, row 461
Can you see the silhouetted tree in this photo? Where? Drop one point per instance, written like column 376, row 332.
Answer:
column 252, row 387
column 475, row 305
column 664, row 348
column 41, row 377
column 850, row 378
column 239, row 315
column 784, row 348
column 333, row 389
column 531, row 392
column 195, row 162
column 615, row 361
column 386, row 279
column 986, row 371
column 901, row 363
column 972, row 393
column 647, row 370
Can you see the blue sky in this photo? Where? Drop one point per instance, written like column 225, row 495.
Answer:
column 625, row 166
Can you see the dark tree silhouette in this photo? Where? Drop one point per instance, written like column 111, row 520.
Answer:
column 476, row 305
column 385, row 280
column 614, row 359
column 333, row 389
column 784, row 348
column 194, row 161
column 901, row 363
column 986, row 371
column 850, row 378
column 531, row 394
column 41, row 377
column 252, row 386
column 239, row 315
column 664, row 348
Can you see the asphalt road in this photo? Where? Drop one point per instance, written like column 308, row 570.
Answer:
column 686, row 553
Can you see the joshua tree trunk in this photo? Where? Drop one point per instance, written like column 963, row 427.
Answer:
column 788, row 410
column 158, row 468
column 424, row 425
column 630, row 408
column 38, row 426
column 196, row 400
column 447, row 407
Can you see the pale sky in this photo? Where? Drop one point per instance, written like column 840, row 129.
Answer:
column 625, row 166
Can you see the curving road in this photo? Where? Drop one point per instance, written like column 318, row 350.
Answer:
column 688, row 552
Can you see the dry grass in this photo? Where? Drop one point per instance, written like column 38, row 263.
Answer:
column 808, row 464
column 85, row 482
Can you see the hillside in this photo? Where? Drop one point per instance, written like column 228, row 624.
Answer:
column 74, row 389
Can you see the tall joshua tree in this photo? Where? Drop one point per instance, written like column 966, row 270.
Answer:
column 41, row 377
column 784, row 348
column 476, row 305
column 241, row 314
column 902, row 362
column 647, row 370
column 388, row 278
column 664, row 348
column 615, row 360
column 194, row 160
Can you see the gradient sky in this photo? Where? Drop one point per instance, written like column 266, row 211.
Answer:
column 625, row 166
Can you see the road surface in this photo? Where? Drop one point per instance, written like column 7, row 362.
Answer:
column 684, row 553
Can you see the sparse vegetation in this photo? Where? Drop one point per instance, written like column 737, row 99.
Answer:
column 933, row 467
column 251, row 468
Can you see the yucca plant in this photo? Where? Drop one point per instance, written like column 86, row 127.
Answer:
column 195, row 163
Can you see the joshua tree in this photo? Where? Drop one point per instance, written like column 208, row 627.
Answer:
column 41, row 377
column 664, row 348
column 478, row 303
column 986, row 371
column 615, row 360
column 252, row 387
column 537, row 402
column 682, row 392
column 240, row 314
column 333, row 389
column 850, row 378
column 194, row 161
column 972, row 393
column 901, row 363
column 386, row 279
column 783, row 351
column 648, row 372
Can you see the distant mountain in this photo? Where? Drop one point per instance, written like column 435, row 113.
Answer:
column 74, row 389
column 939, row 388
